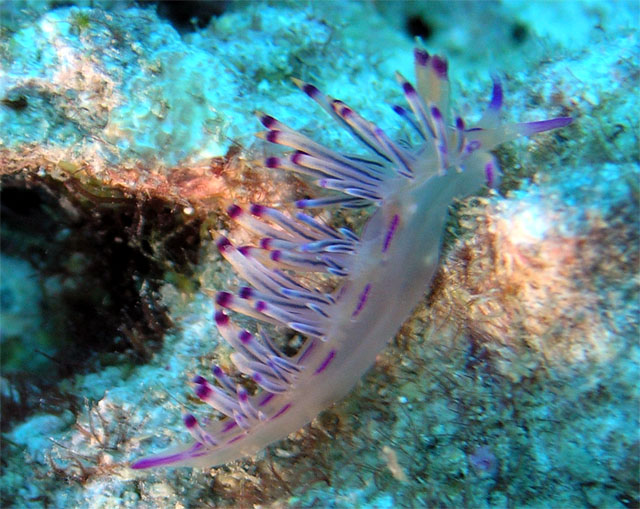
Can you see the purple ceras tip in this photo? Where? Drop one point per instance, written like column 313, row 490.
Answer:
column 436, row 113
column 272, row 162
column 224, row 299
column 245, row 292
column 199, row 380
column 421, row 56
column 439, row 65
column 243, row 395
column 399, row 109
column 266, row 242
column 310, row 90
column 245, row 337
column 203, row 391
column 272, row 136
column 221, row 319
column 189, row 421
column 295, row 157
column 268, row 121
column 234, row 211
column 223, row 244
column 407, row 88
column 345, row 111
column 257, row 210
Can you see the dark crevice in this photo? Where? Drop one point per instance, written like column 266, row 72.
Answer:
column 100, row 265
column 189, row 15
column 417, row 26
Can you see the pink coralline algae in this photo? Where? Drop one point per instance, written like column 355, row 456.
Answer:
column 380, row 273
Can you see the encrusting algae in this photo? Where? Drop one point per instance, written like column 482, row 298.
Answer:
column 522, row 284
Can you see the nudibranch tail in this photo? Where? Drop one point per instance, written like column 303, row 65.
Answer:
column 380, row 273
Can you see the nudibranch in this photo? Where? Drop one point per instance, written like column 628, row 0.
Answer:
column 381, row 272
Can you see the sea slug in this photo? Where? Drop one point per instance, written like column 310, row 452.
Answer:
column 380, row 273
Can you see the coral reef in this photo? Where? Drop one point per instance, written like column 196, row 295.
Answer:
column 513, row 384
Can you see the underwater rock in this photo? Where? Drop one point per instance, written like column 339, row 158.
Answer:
column 164, row 112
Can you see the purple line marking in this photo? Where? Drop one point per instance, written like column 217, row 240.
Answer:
column 281, row 411
column 167, row 460
column 361, row 301
column 266, row 399
column 391, row 230
column 229, row 426
column 306, row 352
column 496, row 94
column 236, row 438
column 325, row 362
column 489, row 174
